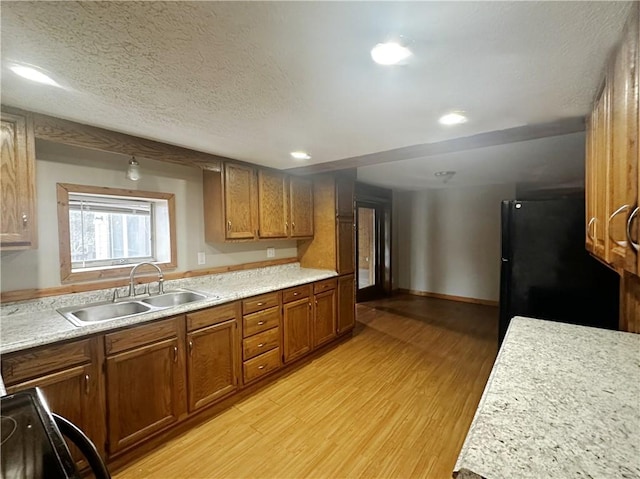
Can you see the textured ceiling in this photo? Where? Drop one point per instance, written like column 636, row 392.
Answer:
column 254, row 81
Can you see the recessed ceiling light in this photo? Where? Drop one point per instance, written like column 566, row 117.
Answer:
column 390, row 53
column 445, row 176
column 300, row 155
column 33, row 74
column 453, row 118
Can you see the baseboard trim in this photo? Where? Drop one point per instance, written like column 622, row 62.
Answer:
column 450, row 297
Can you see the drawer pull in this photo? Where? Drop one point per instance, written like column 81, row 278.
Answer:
column 260, row 304
column 261, row 345
column 260, row 323
column 261, row 366
column 295, row 293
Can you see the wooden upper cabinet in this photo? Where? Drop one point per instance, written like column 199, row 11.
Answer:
column 301, row 207
column 239, row 201
column 345, row 242
column 272, row 204
column 229, row 203
column 18, row 228
column 344, row 197
column 632, row 258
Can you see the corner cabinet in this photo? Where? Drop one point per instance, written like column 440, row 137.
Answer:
column 612, row 171
column 18, row 228
column 70, row 376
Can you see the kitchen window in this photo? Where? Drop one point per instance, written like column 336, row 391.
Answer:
column 104, row 231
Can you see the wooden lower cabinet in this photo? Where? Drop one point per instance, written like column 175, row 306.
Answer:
column 346, row 303
column 324, row 317
column 74, row 391
column 630, row 303
column 211, row 363
column 297, row 329
column 145, row 382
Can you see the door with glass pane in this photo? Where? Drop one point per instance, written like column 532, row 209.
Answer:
column 368, row 250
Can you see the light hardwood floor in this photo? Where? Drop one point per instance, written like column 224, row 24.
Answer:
column 395, row 401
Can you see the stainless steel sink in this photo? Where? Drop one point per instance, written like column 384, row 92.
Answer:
column 108, row 311
column 174, row 298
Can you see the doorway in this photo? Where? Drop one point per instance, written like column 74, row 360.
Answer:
column 373, row 248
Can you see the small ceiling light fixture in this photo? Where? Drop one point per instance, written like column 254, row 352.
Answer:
column 300, row 155
column 33, row 74
column 445, row 176
column 453, row 118
column 133, row 172
column 390, row 53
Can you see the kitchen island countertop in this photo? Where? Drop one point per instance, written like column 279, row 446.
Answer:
column 33, row 323
column 562, row 401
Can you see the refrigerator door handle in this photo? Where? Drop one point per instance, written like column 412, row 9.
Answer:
column 622, row 244
column 634, row 245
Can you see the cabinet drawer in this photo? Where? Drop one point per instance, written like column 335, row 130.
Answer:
column 260, row 343
column 258, row 303
column 261, row 321
column 139, row 336
column 20, row 366
column 211, row 316
column 325, row 285
column 296, row 293
column 261, row 365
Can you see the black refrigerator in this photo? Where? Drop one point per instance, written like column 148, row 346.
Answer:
column 546, row 271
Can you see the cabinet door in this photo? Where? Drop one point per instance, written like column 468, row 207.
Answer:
column 75, row 394
column 301, row 194
column 600, row 164
column 590, row 184
column 17, row 183
column 632, row 260
column 344, row 197
column 624, row 133
column 324, row 325
column 345, row 233
column 211, row 363
column 145, row 389
column 346, row 303
column 272, row 204
column 297, row 329
column 239, row 201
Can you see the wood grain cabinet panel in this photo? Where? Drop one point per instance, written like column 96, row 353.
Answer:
column 297, row 329
column 345, row 240
column 260, row 365
column 239, row 201
column 72, row 385
column 18, row 226
column 145, row 388
column 211, row 363
column 324, row 317
column 301, row 204
column 273, row 211
column 346, row 303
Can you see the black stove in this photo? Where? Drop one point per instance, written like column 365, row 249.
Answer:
column 31, row 444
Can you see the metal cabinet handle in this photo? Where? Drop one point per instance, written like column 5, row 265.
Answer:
column 86, row 384
column 591, row 221
column 260, row 304
column 260, row 323
column 261, row 366
column 622, row 244
column 25, row 219
column 293, row 225
column 190, row 348
column 261, row 345
column 633, row 244
column 295, row 293
column 175, row 354
column 229, row 225
column 286, row 225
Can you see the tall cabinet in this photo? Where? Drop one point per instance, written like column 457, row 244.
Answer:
column 612, row 173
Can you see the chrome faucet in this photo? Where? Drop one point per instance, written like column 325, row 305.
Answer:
column 132, row 285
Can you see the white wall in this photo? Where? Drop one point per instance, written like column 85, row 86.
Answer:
column 448, row 240
column 58, row 163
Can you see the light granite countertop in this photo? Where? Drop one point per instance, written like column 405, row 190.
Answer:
column 27, row 324
column 562, row 401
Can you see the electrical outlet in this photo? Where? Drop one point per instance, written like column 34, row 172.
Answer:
column 271, row 252
column 201, row 258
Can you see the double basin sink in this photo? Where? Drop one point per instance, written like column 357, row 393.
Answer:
column 107, row 311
